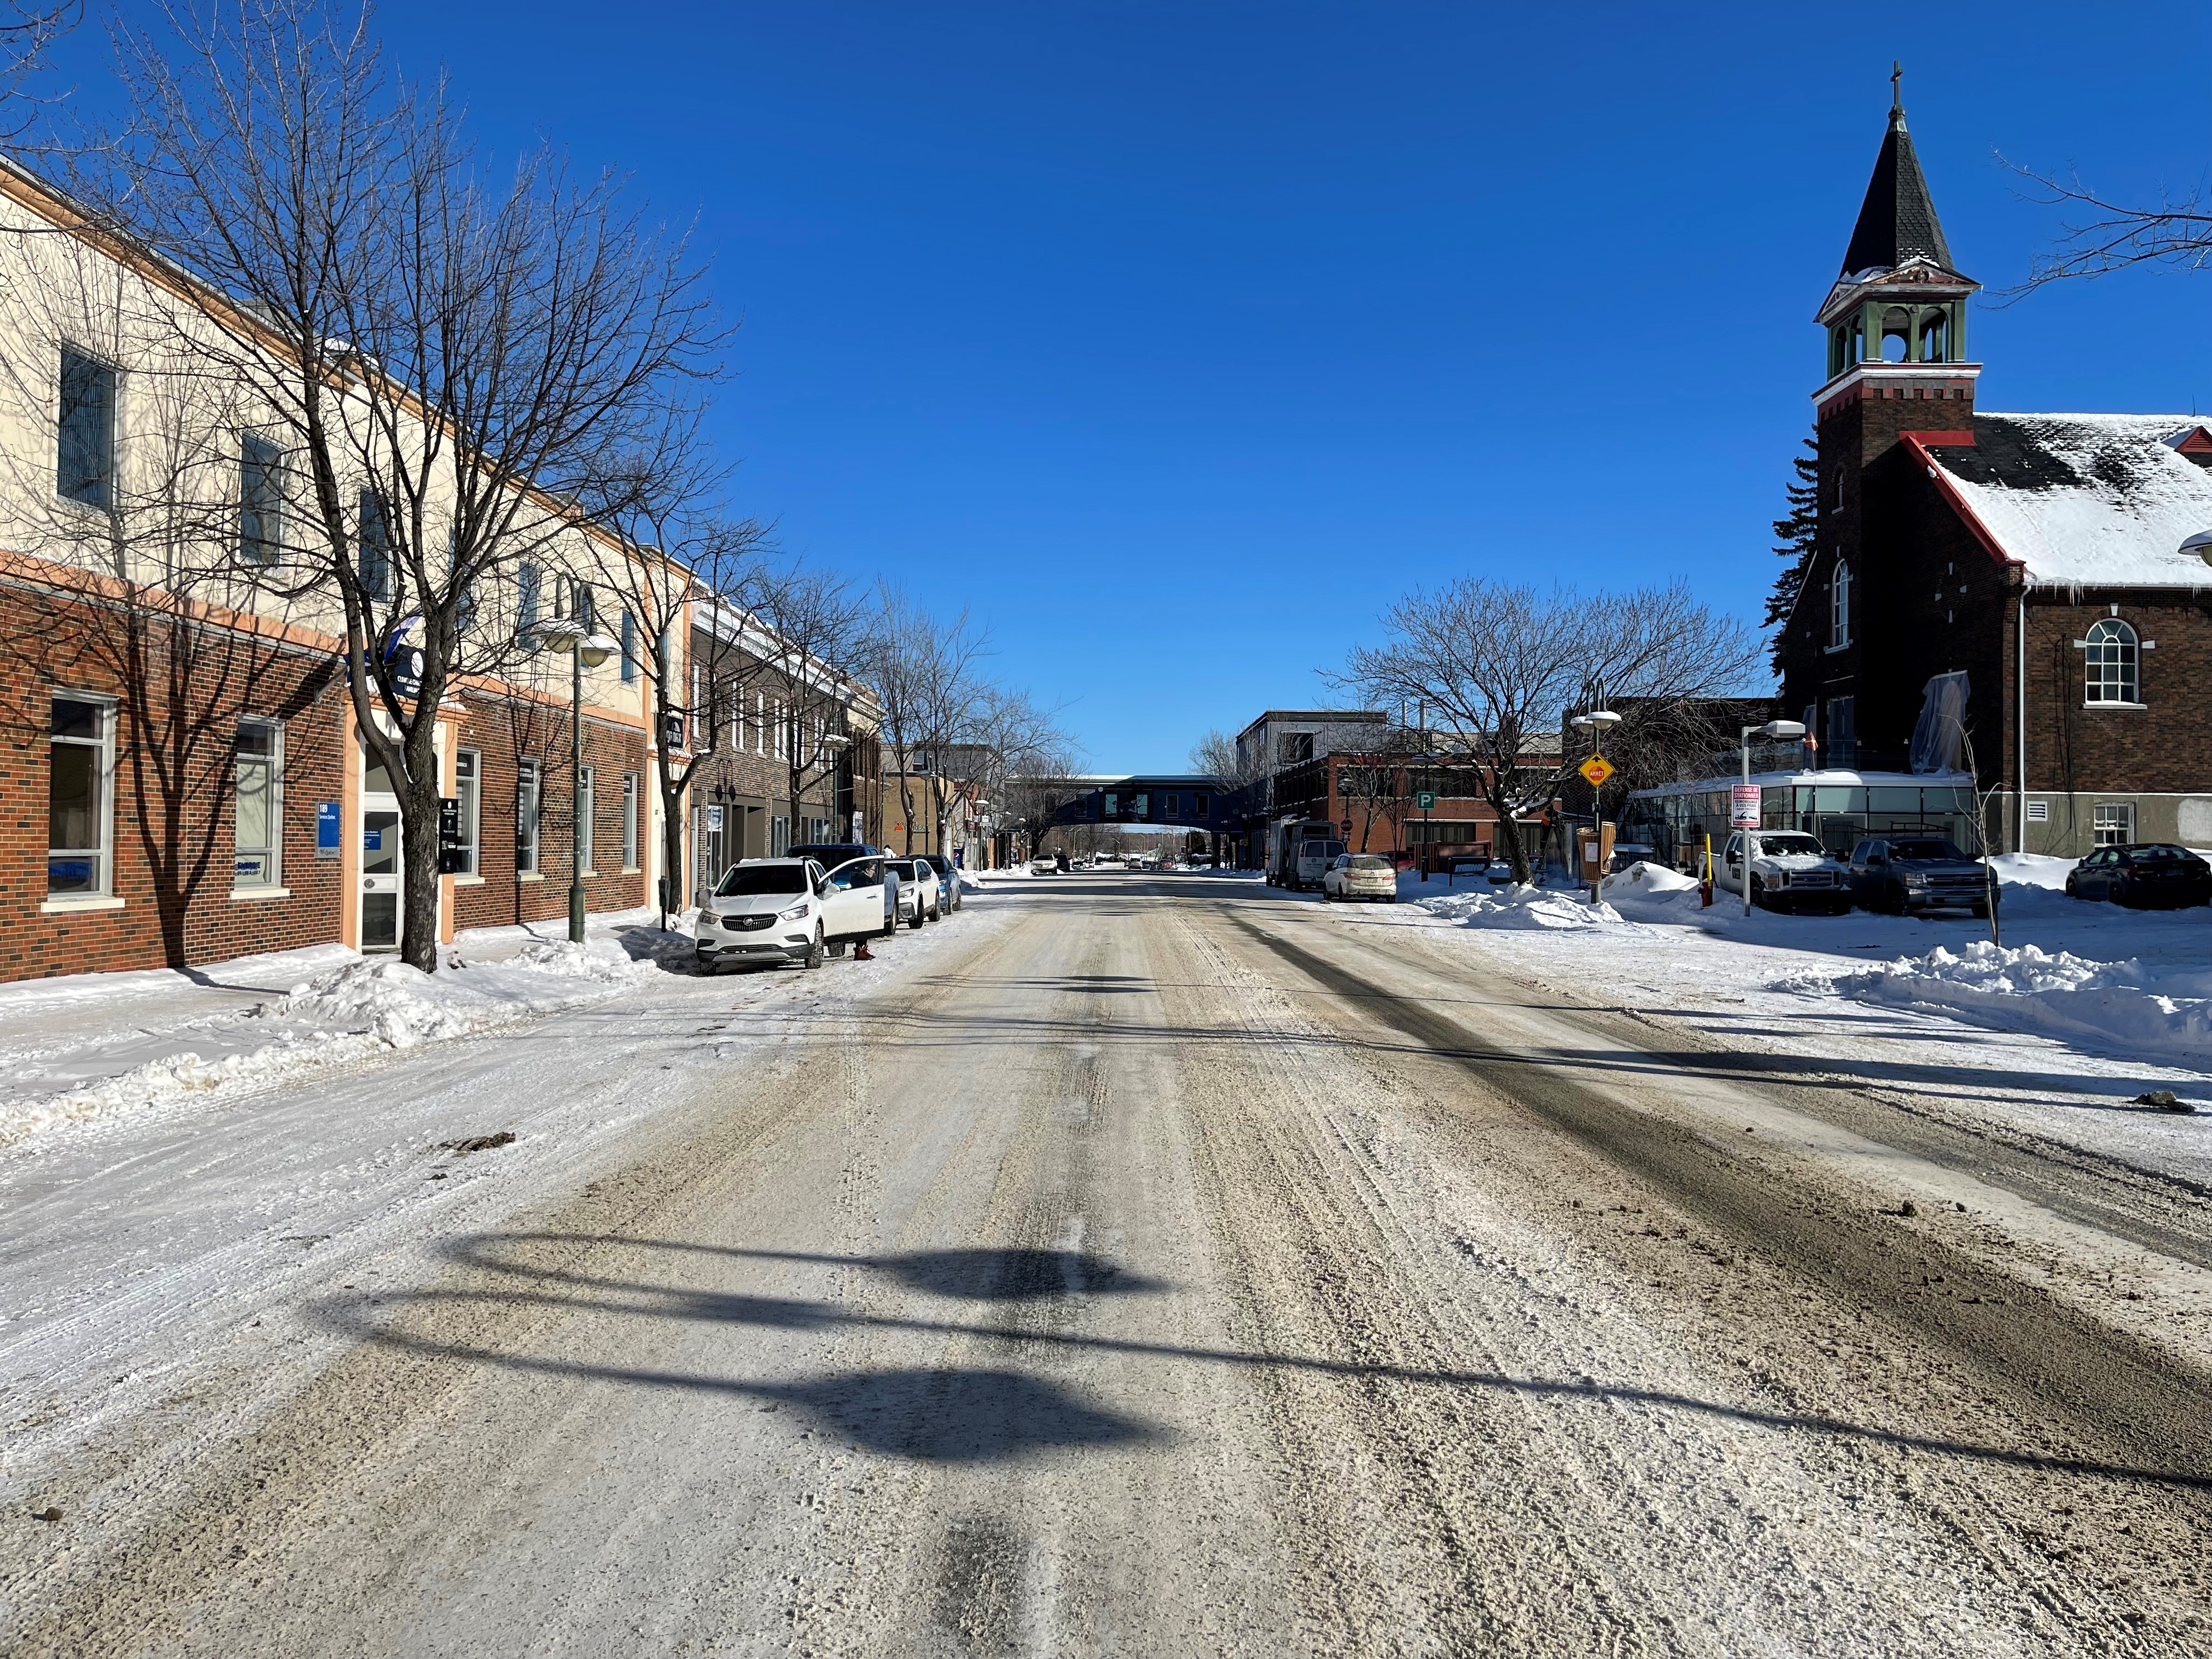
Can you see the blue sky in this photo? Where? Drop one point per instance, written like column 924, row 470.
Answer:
column 1175, row 340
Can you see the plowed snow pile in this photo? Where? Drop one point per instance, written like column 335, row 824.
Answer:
column 1521, row 907
column 2165, row 1011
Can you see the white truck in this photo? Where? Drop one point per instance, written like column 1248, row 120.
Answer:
column 1299, row 851
column 1789, row 871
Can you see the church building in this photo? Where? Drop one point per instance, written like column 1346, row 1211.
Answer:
column 2057, row 562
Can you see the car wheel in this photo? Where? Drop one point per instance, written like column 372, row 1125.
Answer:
column 1758, row 893
column 815, row 953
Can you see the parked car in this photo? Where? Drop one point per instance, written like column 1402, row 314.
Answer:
column 765, row 911
column 1789, row 871
column 862, row 896
column 919, row 893
column 832, row 854
column 948, row 876
column 2143, row 876
column 1044, row 864
column 1902, row 874
column 1360, row 875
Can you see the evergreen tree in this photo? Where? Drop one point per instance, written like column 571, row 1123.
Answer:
column 1794, row 534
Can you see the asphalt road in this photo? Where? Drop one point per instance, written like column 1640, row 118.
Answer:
column 1178, row 1269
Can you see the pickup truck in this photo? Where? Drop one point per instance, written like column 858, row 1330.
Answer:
column 1789, row 871
column 1903, row 874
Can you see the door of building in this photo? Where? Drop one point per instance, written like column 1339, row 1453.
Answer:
column 380, row 871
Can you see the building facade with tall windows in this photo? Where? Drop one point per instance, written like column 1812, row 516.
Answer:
column 2049, row 559
column 183, row 778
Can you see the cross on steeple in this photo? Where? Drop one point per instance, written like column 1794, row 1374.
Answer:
column 1896, row 86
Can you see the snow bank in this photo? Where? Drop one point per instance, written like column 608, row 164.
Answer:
column 1652, row 893
column 2025, row 987
column 1519, row 907
column 356, row 1010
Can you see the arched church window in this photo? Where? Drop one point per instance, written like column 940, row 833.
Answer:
column 1896, row 335
column 2113, row 673
column 1839, row 605
column 1935, row 336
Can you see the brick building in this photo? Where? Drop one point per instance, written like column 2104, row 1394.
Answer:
column 182, row 775
column 2050, row 561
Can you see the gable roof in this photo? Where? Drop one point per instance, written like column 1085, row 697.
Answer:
column 2081, row 500
column 1897, row 220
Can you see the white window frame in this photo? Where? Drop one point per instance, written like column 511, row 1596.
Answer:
column 779, row 836
column 272, row 854
column 2112, row 666
column 2112, row 823
column 101, row 892
column 468, row 789
column 1839, row 605
column 529, row 806
column 629, row 821
column 587, row 795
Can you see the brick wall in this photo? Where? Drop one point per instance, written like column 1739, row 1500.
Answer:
column 178, row 690
column 506, row 732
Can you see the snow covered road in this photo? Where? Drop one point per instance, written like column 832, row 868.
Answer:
column 1129, row 1266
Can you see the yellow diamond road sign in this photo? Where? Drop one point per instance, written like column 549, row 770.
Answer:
column 1597, row 768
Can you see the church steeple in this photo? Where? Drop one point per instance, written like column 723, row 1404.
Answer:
column 1897, row 222
column 1899, row 299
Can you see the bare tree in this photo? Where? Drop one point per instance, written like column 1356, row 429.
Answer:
column 1500, row 663
column 812, row 630
column 447, row 357
column 150, row 536
column 940, row 718
column 1380, row 779
column 674, row 552
column 2099, row 234
column 28, row 30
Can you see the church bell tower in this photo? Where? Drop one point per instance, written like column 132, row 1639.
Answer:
column 1895, row 320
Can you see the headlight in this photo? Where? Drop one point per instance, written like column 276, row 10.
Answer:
column 797, row 913
column 1915, row 880
column 1782, row 879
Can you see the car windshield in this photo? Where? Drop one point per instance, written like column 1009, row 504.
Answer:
column 1789, row 846
column 746, row 880
column 1370, row 861
column 2159, row 854
column 1925, row 849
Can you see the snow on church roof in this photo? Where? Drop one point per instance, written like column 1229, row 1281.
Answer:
column 2086, row 500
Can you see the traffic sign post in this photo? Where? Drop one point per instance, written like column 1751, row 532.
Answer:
column 1597, row 768
column 1424, row 799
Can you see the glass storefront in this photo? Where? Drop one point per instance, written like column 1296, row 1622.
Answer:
column 1840, row 809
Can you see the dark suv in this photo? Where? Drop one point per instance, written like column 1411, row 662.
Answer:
column 2148, row 876
column 1903, row 874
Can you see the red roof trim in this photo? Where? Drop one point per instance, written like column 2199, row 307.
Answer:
column 1948, row 487
column 2198, row 442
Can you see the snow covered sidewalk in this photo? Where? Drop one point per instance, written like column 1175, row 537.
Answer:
column 2051, row 1037
column 91, row 1047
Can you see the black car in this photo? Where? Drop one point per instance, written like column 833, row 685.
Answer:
column 1903, row 874
column 831, row 853
column 2146, row 875
column 948, row 873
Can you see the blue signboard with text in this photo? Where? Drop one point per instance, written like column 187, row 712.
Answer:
column 327, row 829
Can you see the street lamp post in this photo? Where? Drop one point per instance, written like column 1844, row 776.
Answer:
column 1597, row 722
column 584, row 650
column 1773, row 732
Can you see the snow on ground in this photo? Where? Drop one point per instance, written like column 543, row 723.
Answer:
column 96, row 1046
column 2048, row 1038
column 141, row 1240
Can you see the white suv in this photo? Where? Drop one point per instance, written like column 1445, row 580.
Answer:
column 769, row 910
column 920, row 897
column 764, row 910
